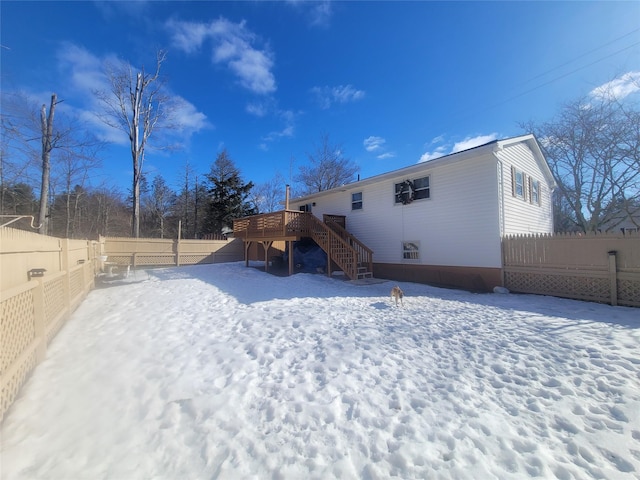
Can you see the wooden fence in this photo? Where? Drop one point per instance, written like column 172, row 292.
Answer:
column 146, row 252
column 42, row 280
column 600, row 267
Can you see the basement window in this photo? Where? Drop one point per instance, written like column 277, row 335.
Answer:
column 411, row 250
column 356, row 201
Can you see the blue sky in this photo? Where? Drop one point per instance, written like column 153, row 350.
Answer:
column 393, row 83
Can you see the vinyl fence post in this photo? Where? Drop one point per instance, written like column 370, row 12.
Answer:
column 178, row 243
column 64, row 266
column 613, row 278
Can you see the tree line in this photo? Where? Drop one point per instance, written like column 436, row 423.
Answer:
column 47, row 162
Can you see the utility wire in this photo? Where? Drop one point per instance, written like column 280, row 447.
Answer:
column 580, row 56
column 555, row 79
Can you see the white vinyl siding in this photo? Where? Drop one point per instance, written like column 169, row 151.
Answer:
column 470, row 205
column 463, row 205
column 521, row 213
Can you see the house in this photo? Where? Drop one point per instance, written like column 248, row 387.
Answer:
column 441, row 221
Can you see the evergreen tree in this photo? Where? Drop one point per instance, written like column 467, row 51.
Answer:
column 227, row 195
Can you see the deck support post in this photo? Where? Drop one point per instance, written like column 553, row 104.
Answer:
column 290, row 243
column 266, row 244
column 247, row 245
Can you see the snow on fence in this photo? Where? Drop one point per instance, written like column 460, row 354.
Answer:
column 43, row 279
column 138, row 252
column 600, row 267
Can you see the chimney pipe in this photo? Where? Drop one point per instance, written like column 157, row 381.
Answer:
column 286, row 198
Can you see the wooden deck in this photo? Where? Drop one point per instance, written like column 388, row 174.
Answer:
column 343, row 249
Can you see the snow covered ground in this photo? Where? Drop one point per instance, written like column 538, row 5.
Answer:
column 222, row 371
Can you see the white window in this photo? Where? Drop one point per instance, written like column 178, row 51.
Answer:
column 411, row 250
column 421, row 186
column 518, row 183
column 410, row 190
column 534, row 191
column 356, row 201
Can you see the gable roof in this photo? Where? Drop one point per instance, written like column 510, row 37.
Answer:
column 463, row 155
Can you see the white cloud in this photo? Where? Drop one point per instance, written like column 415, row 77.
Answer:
column 257, row 109
column 319, row 12
column 188, row 39
column 287, row 131
column 232, row 45
column 371, row 144
column 187, row 118
column 327, row 96
column 438, row 152
column 386, row 155
column 84, row 70
column 466, row 144
column 619, row 88
column 346, row 93
column 471, row 142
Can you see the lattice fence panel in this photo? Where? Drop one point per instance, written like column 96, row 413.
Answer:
column 195, row 259
column 572, row 286
column 156, row 260
column 17, row 332
column 11, row 388
column 17, row 327
column 53, row 299
column 629, row 292
column 76, row 283
column 120, row 259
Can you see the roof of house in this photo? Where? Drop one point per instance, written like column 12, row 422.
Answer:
column 451, row 158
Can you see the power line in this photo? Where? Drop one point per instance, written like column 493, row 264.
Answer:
column 581, row 56
column 563, row 75
column 555, row 79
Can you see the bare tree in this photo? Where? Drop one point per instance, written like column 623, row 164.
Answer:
column 593, row 149
column 269, row 196
column 158, row 203
column 20, row 159
column 135, row 105
column 22, row 129
column 328, row 168
column 74, row 170
column 46, row 125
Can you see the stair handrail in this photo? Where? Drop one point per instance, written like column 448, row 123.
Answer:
column 349, row 268
column 365, row 254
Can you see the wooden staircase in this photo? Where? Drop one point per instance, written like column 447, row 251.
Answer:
column 348, row 253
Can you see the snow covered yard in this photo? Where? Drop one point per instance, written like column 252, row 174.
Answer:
column 222, row 371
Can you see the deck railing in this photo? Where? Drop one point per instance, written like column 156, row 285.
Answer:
column 285, row 223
